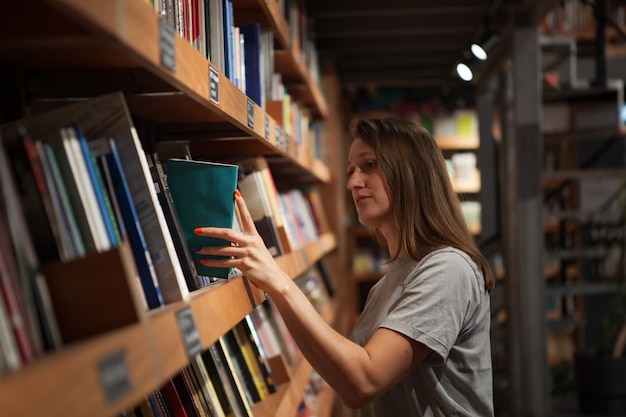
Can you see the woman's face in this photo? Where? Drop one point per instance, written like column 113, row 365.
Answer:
column 366, row 184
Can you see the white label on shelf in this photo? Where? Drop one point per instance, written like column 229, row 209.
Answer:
column 251, row 114
column 188, row 331
column 214, row 85
column 114, row 376
column 267, row 127
column 167, row 43
column 279, row 139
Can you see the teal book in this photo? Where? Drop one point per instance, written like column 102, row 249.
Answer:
column 203, row 194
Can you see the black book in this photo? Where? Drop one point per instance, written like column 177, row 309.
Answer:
column 169, row 210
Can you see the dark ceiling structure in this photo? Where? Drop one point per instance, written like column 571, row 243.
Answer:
column 409, row 45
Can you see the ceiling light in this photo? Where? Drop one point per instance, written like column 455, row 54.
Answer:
column 482, row 48
column 464, row 72
column 478, row 51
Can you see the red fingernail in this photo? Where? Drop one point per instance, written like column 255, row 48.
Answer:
column 237, row 193
column 198, row 230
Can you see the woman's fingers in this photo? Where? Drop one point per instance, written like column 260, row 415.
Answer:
column 247, row 223
column 221, row 233
column 222, row 251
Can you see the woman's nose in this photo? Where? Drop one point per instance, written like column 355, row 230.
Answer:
column 355, row 180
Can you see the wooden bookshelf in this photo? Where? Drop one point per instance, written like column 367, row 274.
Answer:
column 84, row 48
column 288, row 59
column 123, row 35
column 153, row 351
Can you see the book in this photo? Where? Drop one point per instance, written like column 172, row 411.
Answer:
column 34, row 198
column 216, row 28
column 203, row 194
column 203, row 380
column 72, row 203
column 61, row 200
column 96, row 182
column 255, row 357
column 41, row 174
column 172, row 400
column 171, row 217
column 220, row 367
column 107, row 116
column 86, row 192
column 38, row 318
column 255, row 193
column 184, row 392
column 259, row 163
column 252, row 60
column 134, row 230
column 250, row 383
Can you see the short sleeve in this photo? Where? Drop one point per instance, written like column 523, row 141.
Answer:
column 435, row 298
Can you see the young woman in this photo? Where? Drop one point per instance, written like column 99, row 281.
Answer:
column 421, row 346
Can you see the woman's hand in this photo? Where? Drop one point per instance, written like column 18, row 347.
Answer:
column 247, row 252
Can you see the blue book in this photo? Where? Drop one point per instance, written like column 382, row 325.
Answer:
column 147, row 275
column 96, row 183
column 203, row 194
column 252, row 54
column 229, row 53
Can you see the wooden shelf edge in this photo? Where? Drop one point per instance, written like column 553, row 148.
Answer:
column 75, row 388
column 458, row 143
column 297, row 262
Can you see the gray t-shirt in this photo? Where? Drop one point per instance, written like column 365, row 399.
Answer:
column 441, row 302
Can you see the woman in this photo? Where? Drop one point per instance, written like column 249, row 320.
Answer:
column 421, row 346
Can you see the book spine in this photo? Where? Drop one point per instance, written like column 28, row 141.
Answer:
column 136, row 238
column 158, row 238
column 169, row 210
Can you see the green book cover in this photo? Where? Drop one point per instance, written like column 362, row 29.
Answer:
column 203, row 194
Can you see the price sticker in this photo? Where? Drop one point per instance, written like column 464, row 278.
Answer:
column 267, row 127
column 167, row 44
column 214, row 85
column 278, row 137
column 251, row 114
column 188, row 331
column 114, row 376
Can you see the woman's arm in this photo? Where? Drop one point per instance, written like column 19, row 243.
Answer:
column 358, row 374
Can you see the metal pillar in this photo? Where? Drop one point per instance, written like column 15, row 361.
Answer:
column 522, row 227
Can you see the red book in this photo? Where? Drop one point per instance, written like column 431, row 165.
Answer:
column 174, row 404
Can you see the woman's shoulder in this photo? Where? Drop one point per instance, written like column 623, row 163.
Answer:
column 452, row 260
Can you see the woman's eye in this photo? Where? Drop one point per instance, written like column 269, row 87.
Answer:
column 369, row 165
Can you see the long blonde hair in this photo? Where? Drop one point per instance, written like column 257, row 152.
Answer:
column 426, row 208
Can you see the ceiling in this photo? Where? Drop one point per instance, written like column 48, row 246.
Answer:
column 407, row 45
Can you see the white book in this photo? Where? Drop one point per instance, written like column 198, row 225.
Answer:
column 8, row 346
column 85, row 189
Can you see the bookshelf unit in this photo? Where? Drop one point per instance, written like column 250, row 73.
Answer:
column 582, row 169
column 76, row 48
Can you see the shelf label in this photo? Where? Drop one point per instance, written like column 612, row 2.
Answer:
column 251, row 114
column 114, row 376
column 277, row 136
column 214, row 85
column 267, row 127
column 188, row 331
column 167, row 43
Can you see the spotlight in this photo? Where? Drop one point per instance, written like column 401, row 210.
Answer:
column 464, row 72
column 481, row 49
column 478, row 51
